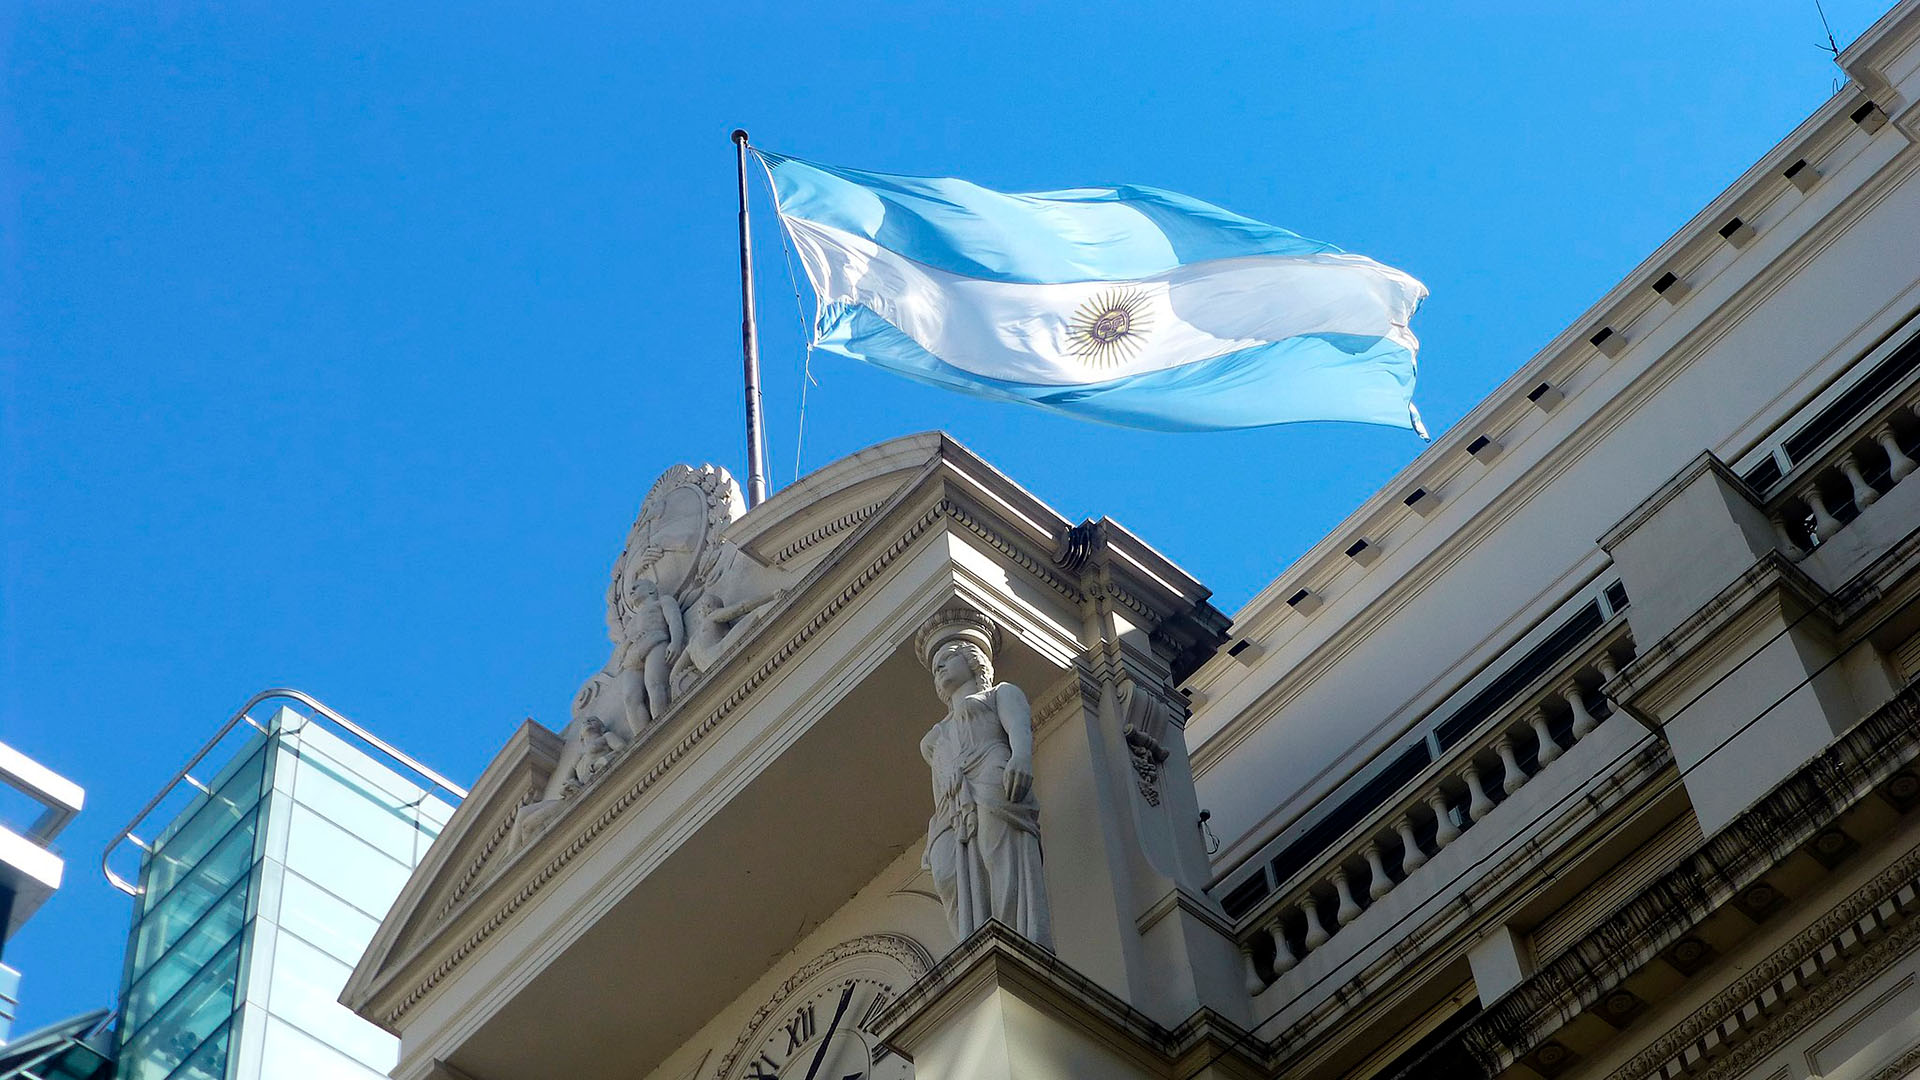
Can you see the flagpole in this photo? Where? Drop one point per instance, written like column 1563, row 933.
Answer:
column 750, row 342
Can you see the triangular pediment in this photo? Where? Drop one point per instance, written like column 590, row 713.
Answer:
column 476, row 843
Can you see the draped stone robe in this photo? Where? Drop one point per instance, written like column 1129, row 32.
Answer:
column 982, row 848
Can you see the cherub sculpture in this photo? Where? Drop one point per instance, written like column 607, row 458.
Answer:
column 656, row 634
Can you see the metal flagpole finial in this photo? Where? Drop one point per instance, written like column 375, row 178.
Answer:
column 749, row 341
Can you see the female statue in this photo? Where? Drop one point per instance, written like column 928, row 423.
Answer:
column 983, row 842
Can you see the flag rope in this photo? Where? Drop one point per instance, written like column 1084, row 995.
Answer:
column 799, row 311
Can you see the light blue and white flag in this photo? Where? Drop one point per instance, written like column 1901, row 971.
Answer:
column 1130, row 305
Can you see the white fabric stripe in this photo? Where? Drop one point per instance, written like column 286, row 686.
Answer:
column 1025, row 333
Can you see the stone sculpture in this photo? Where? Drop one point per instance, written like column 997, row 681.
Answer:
column 983, row 841
column 681, row 598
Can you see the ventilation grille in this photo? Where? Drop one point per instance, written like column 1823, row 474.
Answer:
column 1616, row 886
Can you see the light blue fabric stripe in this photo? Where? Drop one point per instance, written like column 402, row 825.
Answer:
column 1044, row 237
column 1321, row 377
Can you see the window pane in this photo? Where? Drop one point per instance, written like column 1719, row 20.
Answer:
column 193, row 1016
column 291, row 1054
column 186, row 843
column 305, row 992
column 194, row 950
column 322, row 851
column 327, row 921
column 372, row 813
column 216, row 873
column 210, row 1061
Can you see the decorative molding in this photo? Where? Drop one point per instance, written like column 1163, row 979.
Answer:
column 1132, row 603
column 1769, row 970
column 899, row 948
column 830, row 529
column 1733, row 858
column 479, row 861
column 1899, row 1068
column 1020, row 557
column 1055, row 704
column 943, row 508
column 1818, row 1001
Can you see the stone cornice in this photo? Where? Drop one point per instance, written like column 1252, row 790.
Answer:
column 996, row 955
column 1737, row 856
column 1682, row 652
column 830, row 529
column 1832, row 957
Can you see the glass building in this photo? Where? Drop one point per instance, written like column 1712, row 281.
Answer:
column 256, row 900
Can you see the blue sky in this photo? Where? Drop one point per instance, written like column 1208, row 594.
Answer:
column 338, row 344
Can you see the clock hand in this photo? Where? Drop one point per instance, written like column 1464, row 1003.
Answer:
column 820, row 1055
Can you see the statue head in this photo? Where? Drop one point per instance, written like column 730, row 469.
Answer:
column 957, row 646
column 958, row 663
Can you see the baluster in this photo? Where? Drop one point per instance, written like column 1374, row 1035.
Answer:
column 1824, row 523
column 1899, row 464
column 1411, row 857
column 1255, row 983
column 1512, row 775
column 1607, row 668
column 1549, row 749
column 1349, row 908
column 1316, row 934
column 1583, row 721
column 1445, row 831
column 1787, row 542
column 1863, row 493
column 1284, row 958
column 1479, row 806
column 1381, row 884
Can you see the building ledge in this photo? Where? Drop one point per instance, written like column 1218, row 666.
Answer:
column 1084, row 1017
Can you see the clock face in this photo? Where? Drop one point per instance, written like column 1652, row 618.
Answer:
column 820, row 1024
column 827, row 1035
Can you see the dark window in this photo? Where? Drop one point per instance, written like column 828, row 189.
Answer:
column 1763, row 476
column 1437, row 1056
column 1838, row 415
column 1244, row 896
column 1529, row 667
column 1321, row 834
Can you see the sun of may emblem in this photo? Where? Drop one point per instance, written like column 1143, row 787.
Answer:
column 1109, row 329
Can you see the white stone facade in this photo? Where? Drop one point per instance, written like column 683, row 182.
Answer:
column 1583, row 749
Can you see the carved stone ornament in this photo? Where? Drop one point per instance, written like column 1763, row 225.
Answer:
column 983, row 841
column 1145, row 719
column 681, row 598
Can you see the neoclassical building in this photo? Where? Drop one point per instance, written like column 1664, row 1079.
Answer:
column 1585, row 748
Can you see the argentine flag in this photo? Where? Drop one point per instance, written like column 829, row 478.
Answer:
column 1130, row 305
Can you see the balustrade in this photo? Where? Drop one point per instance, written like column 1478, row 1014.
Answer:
column 1408, row 834
column 1851, row 475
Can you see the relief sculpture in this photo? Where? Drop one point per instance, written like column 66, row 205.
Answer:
column 682, row 597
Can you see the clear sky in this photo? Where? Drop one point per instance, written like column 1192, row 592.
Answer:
column 339, row 343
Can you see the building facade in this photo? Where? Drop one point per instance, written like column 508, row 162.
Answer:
column 253, row 901
column 1585, row 748
column 38, row 805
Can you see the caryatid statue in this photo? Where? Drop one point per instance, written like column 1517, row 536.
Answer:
column 983, row 842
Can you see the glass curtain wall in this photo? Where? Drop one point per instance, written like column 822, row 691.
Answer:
column 258, row 901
